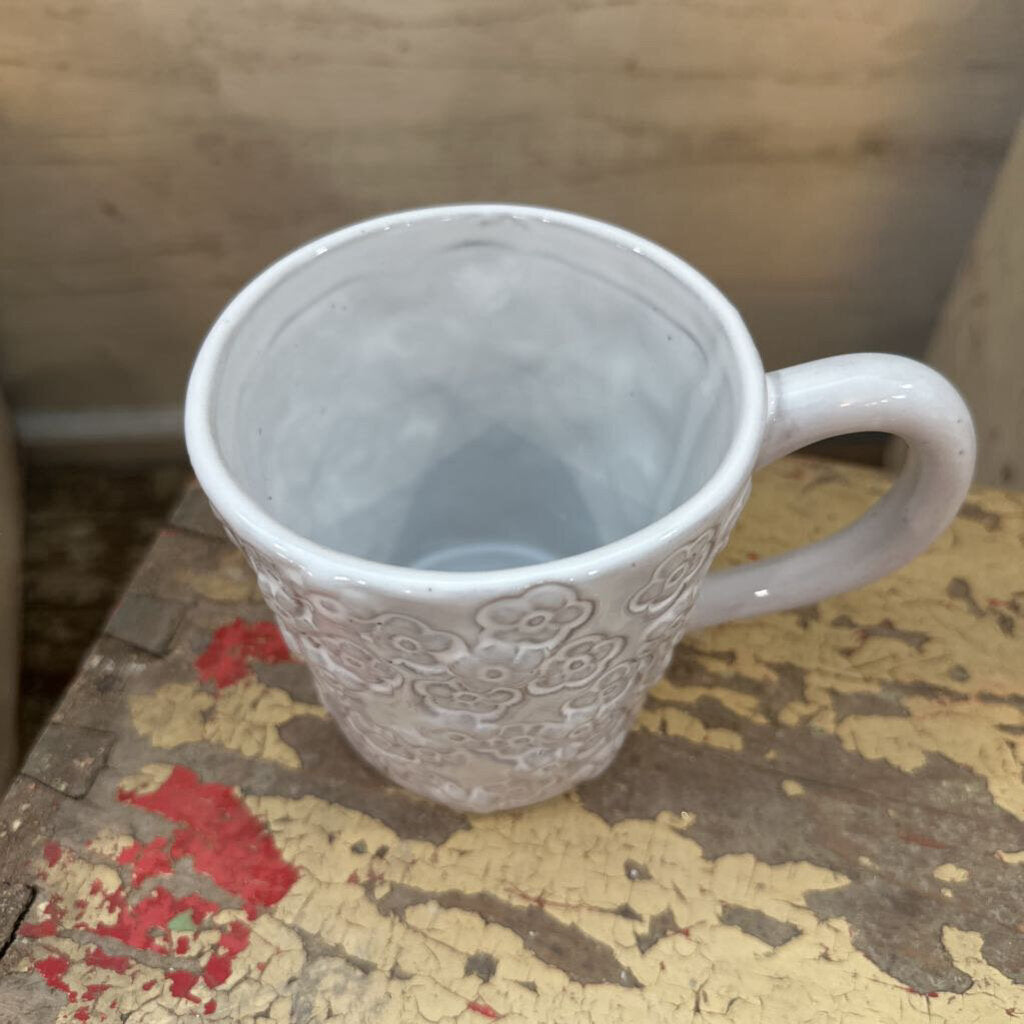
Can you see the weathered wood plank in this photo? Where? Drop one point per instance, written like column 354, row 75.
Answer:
column 824, row 163
column 819, row 816
column 977, row 342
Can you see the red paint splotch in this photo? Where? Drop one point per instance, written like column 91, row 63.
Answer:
column 145, row 925
column 224, row 840
column 147, row 985
column 217, row 970
column 52, row 853
column 96, row 957
column 182, row 983
column 232, row 942
column 52, row 913
column 53, row 968
column 147, row 860
column 235, row 939
column 82, row 1014
column 484, row 1010
column 227, row 656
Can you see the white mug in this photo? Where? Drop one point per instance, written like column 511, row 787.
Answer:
column 481, row 458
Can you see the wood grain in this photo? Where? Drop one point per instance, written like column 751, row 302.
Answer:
column 977, row 342
column 819, row 817
column 825, row 163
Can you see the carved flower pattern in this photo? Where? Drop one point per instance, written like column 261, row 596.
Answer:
column 575, row 664
column 511, row 742
column 496, row 664
column 388, row 744
column 544, row 615
column 606, row 691
column 285, row 603
column 408, row 642
column 516, row 702
column 673, row 576
column 447, row 697
column 665, row 630
column 366, row 671
column 328, row 610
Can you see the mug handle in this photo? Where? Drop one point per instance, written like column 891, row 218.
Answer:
column 842, row 395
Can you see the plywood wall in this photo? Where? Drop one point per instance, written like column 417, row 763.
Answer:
column 979, row 339
column 824, row 162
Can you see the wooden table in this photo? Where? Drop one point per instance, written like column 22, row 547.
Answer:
column 818, row 818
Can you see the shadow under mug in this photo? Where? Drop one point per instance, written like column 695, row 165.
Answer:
column 481, row 458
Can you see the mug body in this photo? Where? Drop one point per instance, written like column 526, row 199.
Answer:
column 480, row 458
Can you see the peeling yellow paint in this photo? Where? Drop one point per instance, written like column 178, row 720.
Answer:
column 148, row 779
column 572, row 858
column 893, row 680
column 745, row 704
column 966, row 732
column 173, row 715
column 230, row 582
column 951, row 873
column 244, row 717
column 675, row 722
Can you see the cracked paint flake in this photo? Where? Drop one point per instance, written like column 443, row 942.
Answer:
column 579, row 868
column 747, row 907
column 233, row 647
column 230, row 582
column 222, row 837
column 245, row 717
column 951, row 873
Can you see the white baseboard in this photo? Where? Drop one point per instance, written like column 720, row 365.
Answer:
column 37, row 428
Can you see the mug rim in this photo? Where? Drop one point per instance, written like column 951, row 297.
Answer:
column 245, row 517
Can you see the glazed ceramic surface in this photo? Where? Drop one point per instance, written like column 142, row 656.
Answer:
column 481, row 459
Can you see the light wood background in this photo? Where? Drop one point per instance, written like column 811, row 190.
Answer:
column 824, row 162
column 979, row 340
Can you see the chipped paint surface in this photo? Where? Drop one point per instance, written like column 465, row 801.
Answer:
column 820, row 817
column 951, row 873
column 244, row 718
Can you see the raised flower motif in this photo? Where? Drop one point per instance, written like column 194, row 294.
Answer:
column 407, row 642
column 512, row 742
column 496, row 664
column 541, row 616
column 670, row 581
column 611, row 687
column 483, row 705
column 359, row 667
column 577, row 663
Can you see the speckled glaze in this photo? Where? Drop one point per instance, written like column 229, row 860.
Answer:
column 494, row 684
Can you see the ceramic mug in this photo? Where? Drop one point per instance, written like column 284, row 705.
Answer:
column 481, row 458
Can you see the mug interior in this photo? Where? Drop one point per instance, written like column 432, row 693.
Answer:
column 475, row 389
